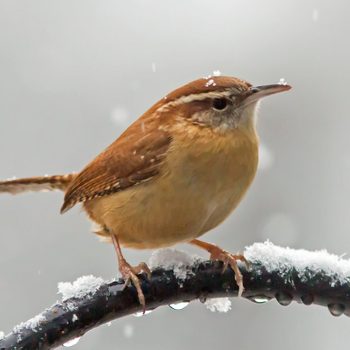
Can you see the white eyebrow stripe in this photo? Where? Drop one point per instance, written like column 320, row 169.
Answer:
column 195, row 97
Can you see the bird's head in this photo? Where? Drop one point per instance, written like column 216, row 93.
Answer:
column 221, row 102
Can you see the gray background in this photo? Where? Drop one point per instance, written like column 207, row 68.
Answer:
column 74, row 74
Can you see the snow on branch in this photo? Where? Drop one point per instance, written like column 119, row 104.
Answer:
column 281, row 273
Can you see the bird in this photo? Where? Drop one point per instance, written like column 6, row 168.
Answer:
column 174, row 174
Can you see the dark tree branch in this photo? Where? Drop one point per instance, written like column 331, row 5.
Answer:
column 70, row 319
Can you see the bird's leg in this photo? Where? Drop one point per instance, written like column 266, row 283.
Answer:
column 130, row 273
column 216, row 253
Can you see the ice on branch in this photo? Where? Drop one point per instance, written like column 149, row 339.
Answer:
column 311, row 277
column 306, row 263
column 173, row 259
column 85, row 285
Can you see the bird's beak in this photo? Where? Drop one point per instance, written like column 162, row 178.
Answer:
column 257, row 92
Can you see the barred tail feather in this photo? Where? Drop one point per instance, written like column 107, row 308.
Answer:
column 36, row 184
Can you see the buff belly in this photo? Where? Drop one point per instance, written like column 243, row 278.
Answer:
column 187, row 199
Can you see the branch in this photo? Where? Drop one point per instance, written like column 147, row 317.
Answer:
column 281, row 273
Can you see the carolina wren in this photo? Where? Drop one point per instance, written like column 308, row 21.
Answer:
column 174, row 174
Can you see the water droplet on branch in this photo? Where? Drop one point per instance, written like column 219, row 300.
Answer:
column 71, row 342
column 284, row 298
column 179, row 306
column 336, row 309
column 307, row 299
column 260, row 299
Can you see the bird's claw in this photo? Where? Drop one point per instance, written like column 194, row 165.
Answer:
column 130, row 273
column 229, row 259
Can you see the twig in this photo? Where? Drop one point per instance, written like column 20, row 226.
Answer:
column 74, row 317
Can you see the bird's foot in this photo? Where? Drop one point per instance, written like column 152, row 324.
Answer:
column 130, row 273
column 216, row 253
column 229, row 259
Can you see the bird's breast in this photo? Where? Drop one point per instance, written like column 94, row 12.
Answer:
column 202, row 180
column 216, row 171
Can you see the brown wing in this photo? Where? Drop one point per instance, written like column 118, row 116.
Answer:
column 135, row 157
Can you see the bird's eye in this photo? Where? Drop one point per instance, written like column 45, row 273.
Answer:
column 219, row 103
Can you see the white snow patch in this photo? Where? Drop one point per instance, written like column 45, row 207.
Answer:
column 2, row 335
column 33, row 324
column 71, row 306
column 173, row 259
column 81, row 287
column 75, row 318
column 282, row 81
column 218, row 304
column 210, row 82
column 216, row 73
column 275, row 258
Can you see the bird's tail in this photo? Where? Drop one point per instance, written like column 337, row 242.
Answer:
column 36, row 184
